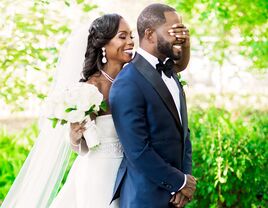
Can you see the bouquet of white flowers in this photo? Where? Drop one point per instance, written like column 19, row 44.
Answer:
column 74, row 104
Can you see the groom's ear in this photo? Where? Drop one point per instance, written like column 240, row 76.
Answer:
column 149, row 35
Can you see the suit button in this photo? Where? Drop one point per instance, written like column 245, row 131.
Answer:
column 168, row 186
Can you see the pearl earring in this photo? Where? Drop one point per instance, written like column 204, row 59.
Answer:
column 104, row 59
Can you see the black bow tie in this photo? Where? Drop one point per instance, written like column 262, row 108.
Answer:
column 167, row 68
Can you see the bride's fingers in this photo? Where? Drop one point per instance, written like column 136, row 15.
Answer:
column 74, row 124
column 77, row 129
column 75, row 132
column 77, row 126
column 81, row 130
column 84, row 122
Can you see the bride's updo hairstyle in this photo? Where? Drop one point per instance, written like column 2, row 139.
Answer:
column 101, row 31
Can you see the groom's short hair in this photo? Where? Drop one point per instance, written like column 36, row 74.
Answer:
column 151, row 17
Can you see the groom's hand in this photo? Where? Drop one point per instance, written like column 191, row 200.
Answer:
column 190, row 187
column 179, row 200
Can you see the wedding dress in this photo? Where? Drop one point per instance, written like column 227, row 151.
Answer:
column 91, row 179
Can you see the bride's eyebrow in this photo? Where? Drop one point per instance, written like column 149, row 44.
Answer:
column 124, row 32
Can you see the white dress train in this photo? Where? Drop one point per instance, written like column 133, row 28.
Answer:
column 92, row 177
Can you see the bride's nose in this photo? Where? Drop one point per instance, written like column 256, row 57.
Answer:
column 130, row 41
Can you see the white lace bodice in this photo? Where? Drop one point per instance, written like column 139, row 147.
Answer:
column 109, row 142
column 105, row 128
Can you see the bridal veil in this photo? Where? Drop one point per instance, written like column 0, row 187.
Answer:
column 41, row 174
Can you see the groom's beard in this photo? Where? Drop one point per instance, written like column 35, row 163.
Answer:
column 164, row 47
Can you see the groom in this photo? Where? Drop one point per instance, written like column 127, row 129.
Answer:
column 149, row 111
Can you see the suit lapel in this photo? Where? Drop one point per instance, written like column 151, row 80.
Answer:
column 153, row 77
column 183, row 107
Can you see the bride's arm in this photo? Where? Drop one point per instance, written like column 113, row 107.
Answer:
column 77, row 141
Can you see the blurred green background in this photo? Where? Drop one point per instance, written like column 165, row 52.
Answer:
column 227, row 87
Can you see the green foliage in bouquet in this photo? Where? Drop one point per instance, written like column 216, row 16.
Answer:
column 103, row 107
column 230, row 158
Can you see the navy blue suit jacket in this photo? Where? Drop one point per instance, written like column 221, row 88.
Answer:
column 157, row 147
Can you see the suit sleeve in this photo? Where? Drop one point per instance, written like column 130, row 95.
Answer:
column 129, row 114
column 187, row 162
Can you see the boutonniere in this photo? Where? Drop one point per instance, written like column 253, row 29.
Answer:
column 181, row 80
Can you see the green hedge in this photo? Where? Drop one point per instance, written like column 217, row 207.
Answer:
column 13, row 151
column 230, row 152
column 229, row 157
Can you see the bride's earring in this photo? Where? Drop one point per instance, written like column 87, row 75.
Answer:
column 104, row 59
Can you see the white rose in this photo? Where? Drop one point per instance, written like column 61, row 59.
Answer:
column 75, row 116
column 71, row 97
column 83, row 96
column 59, row 111
column 53, row 105
column 96, row 99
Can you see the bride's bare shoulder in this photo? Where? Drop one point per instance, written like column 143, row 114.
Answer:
column 94, row 80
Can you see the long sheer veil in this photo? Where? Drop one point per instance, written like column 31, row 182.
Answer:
column 41, row 174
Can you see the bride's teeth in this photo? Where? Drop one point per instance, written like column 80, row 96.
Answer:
column 128, row 51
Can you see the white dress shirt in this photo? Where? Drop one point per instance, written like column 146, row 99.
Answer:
column 171, row 85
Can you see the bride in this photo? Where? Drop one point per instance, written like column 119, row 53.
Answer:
column 91, row 179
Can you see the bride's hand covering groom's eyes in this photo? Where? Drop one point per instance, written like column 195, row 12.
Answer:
column 179, row 31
